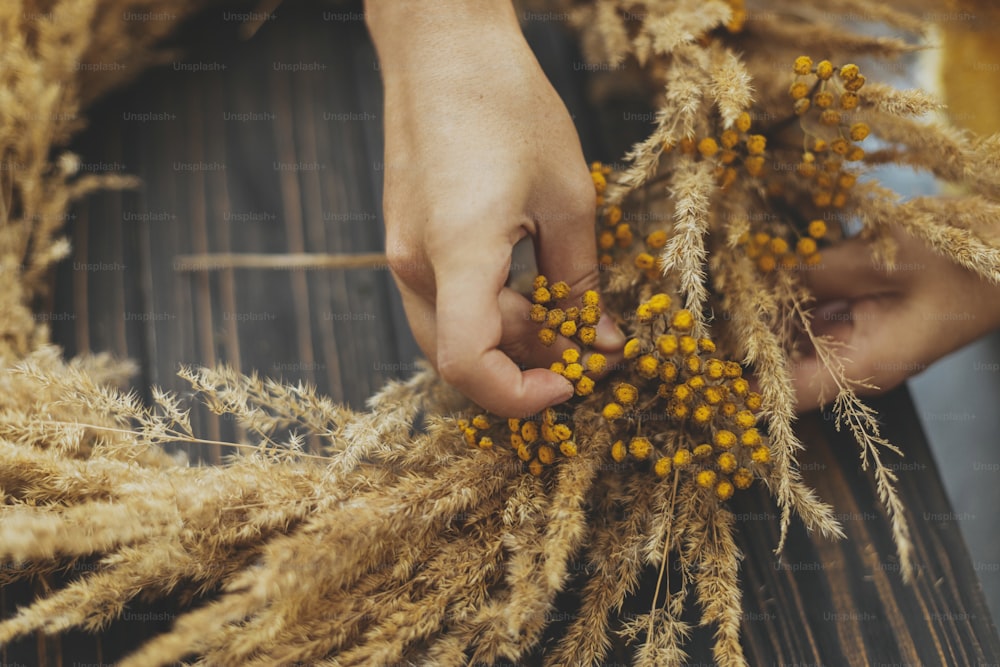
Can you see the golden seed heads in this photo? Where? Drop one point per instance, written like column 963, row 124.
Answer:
column 725, row 439
column 647, row 366
column 805, row 247
column 859, row 131
column 596, row 362
column 799, row 90
column 529, row 431
column 687, row 344
column 659, row 303
column 803, row 65
column 745, row 419
column 682, row 320
column 640, row 448
column 849, row 101
column 855, row 84
column 823, row 99
column 708, row 147
column 714, row 369
column 682, row 457
column 656, row 240
column 612, row 216
column 619, row 451
column 726, row 462
column 849, row 72
column 663, row 467
column 702, row 414
column 706, row 479
column 645, row 261
column 830, row 117
column 756, row 143
column 626, row 394
column 750, row 437
column 743, row 122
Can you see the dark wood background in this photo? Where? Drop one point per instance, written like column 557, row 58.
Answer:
column 219, row 172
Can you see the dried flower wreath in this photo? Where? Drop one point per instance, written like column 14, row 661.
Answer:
column 430, row 533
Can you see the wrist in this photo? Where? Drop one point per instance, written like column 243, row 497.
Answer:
column 407, row 30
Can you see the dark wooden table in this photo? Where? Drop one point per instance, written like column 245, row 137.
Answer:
column 242, row 154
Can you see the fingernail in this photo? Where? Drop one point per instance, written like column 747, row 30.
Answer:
column 609, row 336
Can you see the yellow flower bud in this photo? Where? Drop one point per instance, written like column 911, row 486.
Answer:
column 584, row 386
column 708, row 147
column 535, row 467
column 803, row 65
column 587, row 335
column 568, row 448
column 567, row 328
column 547, row 336
column 632, row 348
column 546, row 454
column 859, row 131
column 640, row 448
column 560, row 290
column 682, row 457
column 573, row 372
column 743, row 122
column 618, row 451
column 645, row 261
column 760, row 455
column 824, row 70
column 659, row 303
column 646, row 366
column 756, row 143
column 727, row 462
column 538, row 313
column 725, row 439
column 743, row 478
column 702, row 414
column 656, row 240
column 596, row 362
column 541, row 295
column 724, row 490
column 663, row 467
column 706, row 479
column 612, row 411
column 682, row 320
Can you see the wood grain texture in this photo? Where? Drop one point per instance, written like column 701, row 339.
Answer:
column 214, row 183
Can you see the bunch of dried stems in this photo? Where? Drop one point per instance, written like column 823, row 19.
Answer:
column 401, row 542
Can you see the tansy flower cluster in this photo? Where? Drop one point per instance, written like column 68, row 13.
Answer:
column 734, row 146
column 826, row 99
column 772, row 252
column 578, row 323
column 537, row 440
column 673, row 376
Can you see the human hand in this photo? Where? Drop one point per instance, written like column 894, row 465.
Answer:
column 894, row 324
column 480, row 152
